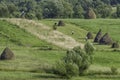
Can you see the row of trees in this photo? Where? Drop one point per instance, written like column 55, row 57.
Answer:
column 37, row 9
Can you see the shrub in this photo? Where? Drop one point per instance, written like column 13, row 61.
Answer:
column 89, row 48
column 76, row 61
column 72, row 70
column 60, row 68
column 114, row 70
column 66, row 69
column 55, row 26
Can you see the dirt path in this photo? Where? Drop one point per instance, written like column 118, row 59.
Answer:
column 45, row 33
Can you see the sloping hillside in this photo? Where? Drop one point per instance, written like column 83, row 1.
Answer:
column 45, row 33
column 13, row 35
column 110, row 26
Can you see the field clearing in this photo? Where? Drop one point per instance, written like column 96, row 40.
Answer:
column 112, row 26
column 43, row 32
column 34, row 64
column 31, row 61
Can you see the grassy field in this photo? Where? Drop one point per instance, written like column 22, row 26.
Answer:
column 31, row 62
column 104, row 57
column 82, row 26
column 110, row 26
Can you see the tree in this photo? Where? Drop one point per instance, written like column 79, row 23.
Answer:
column 103, row 10
column 118, row 11
column 4, row 10
column 49, row 9
column 78, row 11
column 68, row 10
column 38, row 12
column 76, row 61
column 12, row 9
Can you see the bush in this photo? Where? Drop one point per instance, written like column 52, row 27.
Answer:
column 30, row 16
column 66, row 69
column 60, row 68
column 114, row 70
column 55, row 26
column 76, row 61
column 89, row 48
column 72, row 70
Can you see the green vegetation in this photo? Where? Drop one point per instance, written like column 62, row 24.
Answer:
column 11, row 35
column 76, row 61
column 107, row 25
column 82, row 26
column 38, row 9
column 33, row 43
column 32, row 62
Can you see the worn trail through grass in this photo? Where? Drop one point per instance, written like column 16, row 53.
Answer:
column 45, row 33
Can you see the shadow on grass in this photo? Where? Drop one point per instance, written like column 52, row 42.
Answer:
column 104, row 77
column 49, row 76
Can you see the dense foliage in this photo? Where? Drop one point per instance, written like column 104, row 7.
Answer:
column 76, row 61
column 37, row 9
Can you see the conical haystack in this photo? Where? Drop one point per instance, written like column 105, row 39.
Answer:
column 106, row 39
column 7, row 54
column 115, row 45
column 89, row 35
column 61, row 23
column 98, row 36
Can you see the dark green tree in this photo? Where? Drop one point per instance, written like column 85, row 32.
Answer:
column 68, row 10
column 118, row 11
column 78, row 11
column 4, row 12
column 76, row 61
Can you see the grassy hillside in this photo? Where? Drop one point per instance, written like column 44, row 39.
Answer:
column 32, row 55
column 46, row 33
column 82, row 26
column 79, row 33
column 13, row 35
column 110, row 26
column 104, row 57
column 30, row 63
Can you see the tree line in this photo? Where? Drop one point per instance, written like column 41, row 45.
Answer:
column 38, row 9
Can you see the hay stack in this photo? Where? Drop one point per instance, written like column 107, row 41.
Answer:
column 89, row 35
column 7, row 54
column 115, row 45
column 106, row 39
column 98, row 36
column 61, row 23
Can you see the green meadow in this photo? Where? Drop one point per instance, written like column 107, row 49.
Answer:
column 34, row 60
